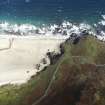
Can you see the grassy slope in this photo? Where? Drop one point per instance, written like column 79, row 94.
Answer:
column 74, row 73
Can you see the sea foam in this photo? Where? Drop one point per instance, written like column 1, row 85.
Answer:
column 65, row 29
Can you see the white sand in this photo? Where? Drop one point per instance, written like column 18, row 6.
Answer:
column 19, row 56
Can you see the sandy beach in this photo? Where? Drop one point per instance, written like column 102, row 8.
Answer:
column 20, row 55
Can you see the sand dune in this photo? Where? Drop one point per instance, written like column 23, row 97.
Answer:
column 19, row 56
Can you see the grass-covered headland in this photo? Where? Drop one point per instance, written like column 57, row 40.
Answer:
column 76, row 78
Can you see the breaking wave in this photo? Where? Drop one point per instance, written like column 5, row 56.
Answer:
column 65, row 29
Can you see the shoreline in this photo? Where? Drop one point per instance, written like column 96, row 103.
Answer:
column 37, row 36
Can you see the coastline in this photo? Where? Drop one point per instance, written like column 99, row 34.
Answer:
column 22, row 53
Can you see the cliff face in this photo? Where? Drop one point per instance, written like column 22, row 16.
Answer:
column 76, row 78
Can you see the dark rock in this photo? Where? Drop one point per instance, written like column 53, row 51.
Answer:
column 84, row 32
column 55, row 56
column 37, row 31
column 76, row 40
column 64, row 32
column 44, row 61
column 73, row 35
column 57, row 29
column 37, row 66
column 62, row 49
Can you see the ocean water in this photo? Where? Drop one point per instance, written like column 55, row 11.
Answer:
column 51, row 11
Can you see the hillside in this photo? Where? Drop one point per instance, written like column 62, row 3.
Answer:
column 76, row 78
